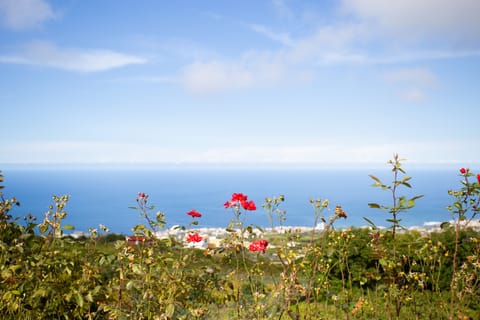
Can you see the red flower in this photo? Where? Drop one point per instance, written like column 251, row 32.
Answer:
column 478, row 178
column 194, row 237
column 194, row 213
column 258, row 245
column 463, row 170
column 239, row 197
column 249, row 205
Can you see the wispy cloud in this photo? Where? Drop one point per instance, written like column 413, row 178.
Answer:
column 283, row 38
column 282, row 9
column 413, row 82
column 253, row 69
column 46, row 54
column 437, row 21
column 25, row 14
column 377, row 32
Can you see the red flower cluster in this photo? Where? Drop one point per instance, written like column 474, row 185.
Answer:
column 194, row 237
column 240, row 199
column 258, row 245
column 194, row 213
column 478, row 178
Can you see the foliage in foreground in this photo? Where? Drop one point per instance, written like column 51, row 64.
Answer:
column 281, row 274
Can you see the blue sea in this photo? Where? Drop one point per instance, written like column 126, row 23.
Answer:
column 102, row 195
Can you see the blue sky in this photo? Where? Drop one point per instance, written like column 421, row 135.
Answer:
column 345, row 82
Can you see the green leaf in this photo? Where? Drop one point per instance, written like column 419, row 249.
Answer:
column 374, row 205
column 406, row 184
column 375, row 178
column 370, row 222
column 79, row 299
column 417, row 197
column 43, row 227
column 136, row 269
column 130, row 285
column 169, row 311
column 68, row 227
column 444, row 225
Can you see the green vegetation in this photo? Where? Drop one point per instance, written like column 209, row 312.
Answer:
column 356, row 273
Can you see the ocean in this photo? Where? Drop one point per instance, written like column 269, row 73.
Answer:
column 100, row 195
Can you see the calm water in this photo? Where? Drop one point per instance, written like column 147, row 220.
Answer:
column 103, row 196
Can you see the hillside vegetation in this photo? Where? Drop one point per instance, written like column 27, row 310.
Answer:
column 354, row 273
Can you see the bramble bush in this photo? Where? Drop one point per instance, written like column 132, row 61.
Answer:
column 253, row 273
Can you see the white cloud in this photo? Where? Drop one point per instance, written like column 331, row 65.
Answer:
column 24, row 14
column 381, row 32
column 213, row 76
column 438, row 20
column 283, row 38
column 413, row 82
column 46, row 54
column 253, row 69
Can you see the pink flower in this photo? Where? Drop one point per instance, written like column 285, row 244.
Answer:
column 194, row 237
column 194, row 213
column 478, row 178
column 463, row 170
column 258, row 245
